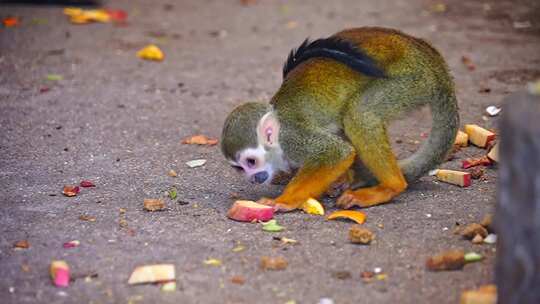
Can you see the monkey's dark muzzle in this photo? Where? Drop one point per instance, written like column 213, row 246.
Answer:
column 260, row 177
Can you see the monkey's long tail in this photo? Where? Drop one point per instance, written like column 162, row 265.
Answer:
column 434, row 151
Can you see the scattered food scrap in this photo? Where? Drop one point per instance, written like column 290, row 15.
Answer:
column 151, row 52
column 357, row 216
column 22, row 244
column 70, row 190
column 212, row 262
column 471, row 257
column 458, row 178
column 87, row 218
column 477, row 172
column 494, row 153
column 490, row 239
column 367, row 276
column 468, row 63
column 169, row 286
column 237, row 279
column 272, row 226
column 81, row 16
column 273, row 263
column 449, row 260
column 172, row 173
column 173, row 193
column 285, row 240
column 479, row 136
column 477, row 239
column 248, row 211
column 312, row 206
column 54, row 77
column 471, row 230
column 152, row 274
column 153, row 204
column 360, row 235
column 71, row 244
column 486, row 294
column 493, row 111
column 11, row 21
column 117, row 15
column 200, row 140
column 342, row 275
column 87, row 184
column 196, row 163
column 59, row 271
column 462, row 139
column 473, row 162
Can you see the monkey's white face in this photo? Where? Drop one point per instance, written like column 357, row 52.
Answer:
column 261, row 163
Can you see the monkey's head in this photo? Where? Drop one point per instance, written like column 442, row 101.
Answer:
column 250, row 142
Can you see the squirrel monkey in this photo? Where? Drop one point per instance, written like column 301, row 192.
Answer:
column 331, row 113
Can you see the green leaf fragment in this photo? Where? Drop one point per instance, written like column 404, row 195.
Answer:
column 172, row 193
column 471, row 257
column 272, row 226
column 54, row 77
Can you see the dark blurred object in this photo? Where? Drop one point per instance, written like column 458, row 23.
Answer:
column 55, row 2
column 517, row 217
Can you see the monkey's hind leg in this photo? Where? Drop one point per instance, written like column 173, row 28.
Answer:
column 368, row 135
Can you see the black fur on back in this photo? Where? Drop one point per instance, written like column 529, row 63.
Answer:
column 334, row 48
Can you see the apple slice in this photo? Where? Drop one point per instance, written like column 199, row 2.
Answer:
column 60, row 273
column 312, row 206
column 248, row 211
column 479, row 136
column 494, row 153
column 152, row 274
column 459, row 178
column 462, row 139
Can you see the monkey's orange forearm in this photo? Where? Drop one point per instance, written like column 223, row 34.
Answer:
column 312, row 182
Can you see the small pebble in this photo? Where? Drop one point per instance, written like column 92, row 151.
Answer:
column 326, row 301
column 377, row 270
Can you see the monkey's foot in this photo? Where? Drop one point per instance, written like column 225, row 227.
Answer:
column 277, row 206
column 366, row 197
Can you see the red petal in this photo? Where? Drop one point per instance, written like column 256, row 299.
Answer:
column 87, row 183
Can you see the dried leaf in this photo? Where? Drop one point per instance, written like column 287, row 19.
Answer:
column 80, row 16
column 22, row 244
column 70, row 190
column 357, row 216
column 87, row 218
column 151, row 52
column 240, row 280
column 200, row 140
column 273, row 263
column 153, row 204
column 449, row 260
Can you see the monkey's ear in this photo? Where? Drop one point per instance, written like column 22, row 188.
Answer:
column 268, row 130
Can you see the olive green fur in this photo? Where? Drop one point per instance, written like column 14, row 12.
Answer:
column 240, row 128
column 324, row 106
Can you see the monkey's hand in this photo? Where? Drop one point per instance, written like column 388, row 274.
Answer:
column 277, row 206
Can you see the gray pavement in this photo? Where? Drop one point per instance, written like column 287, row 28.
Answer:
column 118, row 121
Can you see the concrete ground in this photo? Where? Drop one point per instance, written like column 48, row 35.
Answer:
column 118, row 120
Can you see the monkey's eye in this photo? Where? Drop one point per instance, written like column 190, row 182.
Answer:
column 251, row 162
column 238, row 168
